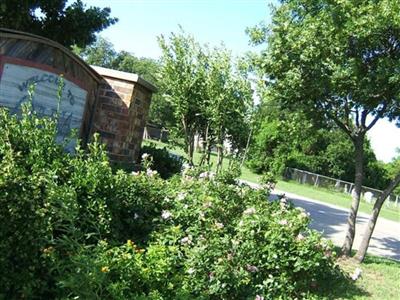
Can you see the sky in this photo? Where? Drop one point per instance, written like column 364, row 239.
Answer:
column 209, row 21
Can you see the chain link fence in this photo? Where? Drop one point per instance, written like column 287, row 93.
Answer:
column 368, row 194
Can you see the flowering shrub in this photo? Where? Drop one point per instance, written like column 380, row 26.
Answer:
column 237, row 245
column 162, row 160
column 76, row 229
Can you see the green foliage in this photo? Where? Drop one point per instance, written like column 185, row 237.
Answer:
column 209, row 92
column 284, row 138
column 335, row 60
column 76, row 229
column 71, row 25
column 232, row 238
column 393, row 168
column 101, row 53
column 339, row 59
column 183, row 81
column 163, row 162
column 30, row 200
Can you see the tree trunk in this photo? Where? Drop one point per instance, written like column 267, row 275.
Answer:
column 356, row 193
column 220, row 153
column 209, row 156
column 246, row 149
column 187, row 139
column 220, row 158
column 205, row 146
column 373, row 218
column 190, row 147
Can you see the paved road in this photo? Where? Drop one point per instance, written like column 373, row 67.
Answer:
column 331, row 220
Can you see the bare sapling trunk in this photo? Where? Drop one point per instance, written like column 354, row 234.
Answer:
column 246, row 149
column 360, row 255
column 356, row 194
column 191, row 148
column 209, row 155
column 205, row 146
column 189, row 140
column 220, row 153
column 220, row 157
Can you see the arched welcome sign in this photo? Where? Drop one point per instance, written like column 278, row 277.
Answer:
column 29, row 61
column 111, row 103
column 17, row 79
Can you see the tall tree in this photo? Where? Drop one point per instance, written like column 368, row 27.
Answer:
column 68, row 25
column 183, row 80
column 336, row 59
column 101, row 53
column 228, row 99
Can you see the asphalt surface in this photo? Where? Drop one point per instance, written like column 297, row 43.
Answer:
column 331, row 221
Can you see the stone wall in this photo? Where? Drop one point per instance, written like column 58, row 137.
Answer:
column 121, row 114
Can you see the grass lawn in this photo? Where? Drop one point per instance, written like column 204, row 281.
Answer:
column 317, row 193
column 380, row 280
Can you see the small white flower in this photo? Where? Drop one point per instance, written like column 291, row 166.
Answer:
column 204, row 175
column 135, row 216
column 191, row 271
column 165, row 214
column 181, row 196
column 300, row 237
column 186, row 240
column 304, row 215
column 283, row 222
column 186, row 166
column 207, row 204
column 150, row 172
column 219, row 225
column 283, row 200
column 145, row 156
column 135, row 173
column 258, row 297
column 249, row 211
column 235, row 242
column 356, row 274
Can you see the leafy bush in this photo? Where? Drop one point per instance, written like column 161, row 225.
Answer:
column 237, row 245
column 163, row 161
column 76, row 229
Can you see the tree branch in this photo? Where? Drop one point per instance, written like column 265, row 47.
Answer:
column 377, row 117
column 364, row 115
column 357, row 118
column 340, row 124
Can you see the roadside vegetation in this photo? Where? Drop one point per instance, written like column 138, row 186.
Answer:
column 75, row 227
column 326, row 195
column 80, row 230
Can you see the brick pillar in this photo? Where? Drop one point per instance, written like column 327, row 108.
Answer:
column 121, row 113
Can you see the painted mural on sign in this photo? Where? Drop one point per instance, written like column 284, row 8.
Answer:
column 15, row 83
